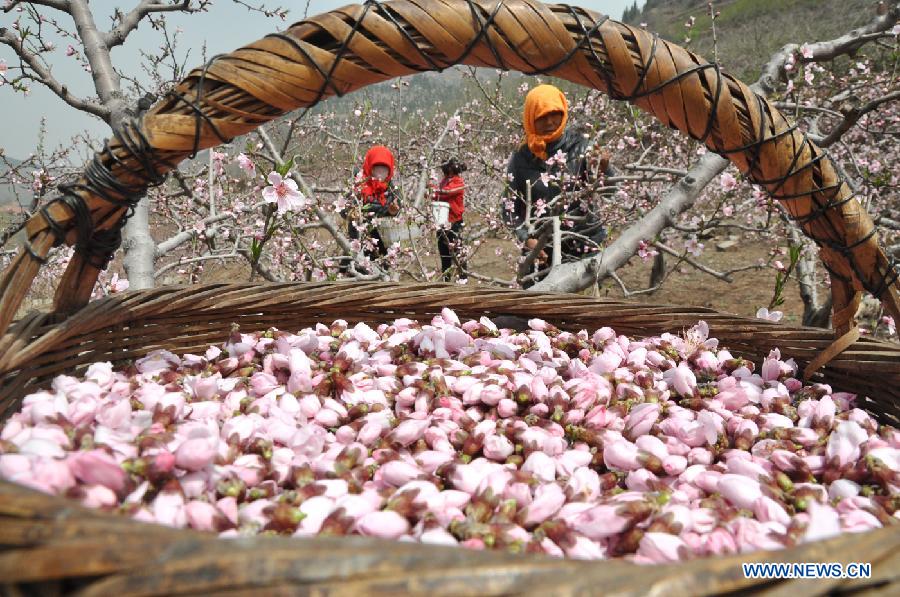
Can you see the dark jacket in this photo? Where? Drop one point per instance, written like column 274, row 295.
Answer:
column 377, row 207
column 524, row 168
column 368, row 205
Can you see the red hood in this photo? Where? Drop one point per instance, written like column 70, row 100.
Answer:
column 378, row 154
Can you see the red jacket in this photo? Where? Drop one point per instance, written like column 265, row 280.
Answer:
column 452, row 189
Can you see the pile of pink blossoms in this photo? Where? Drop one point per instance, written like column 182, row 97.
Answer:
column 578, row 445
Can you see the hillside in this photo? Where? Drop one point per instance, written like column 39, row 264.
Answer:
column 749, row 31
column 8, row 192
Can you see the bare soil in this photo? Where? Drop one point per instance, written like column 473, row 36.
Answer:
column 744, row 295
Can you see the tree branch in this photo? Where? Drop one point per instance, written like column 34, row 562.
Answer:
column 852, row 116
column 118, row 34
column 44, row 76
column 572, row 277
column 887, row 222
column 179, row 239
column 106, row 80
column 693, row 262
column 423, row 177
column 62, row 5
column 341, row 240
column 824, row 51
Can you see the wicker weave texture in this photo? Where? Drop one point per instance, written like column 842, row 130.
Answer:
column 355, row 46
column 49, row 545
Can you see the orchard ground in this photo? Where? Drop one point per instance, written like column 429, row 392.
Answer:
column 748, row 291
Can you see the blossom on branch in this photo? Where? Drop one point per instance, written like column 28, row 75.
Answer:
column 646, row 251
column 693, row 246
column 728, row 182
column 246, row 164
column 283, row 192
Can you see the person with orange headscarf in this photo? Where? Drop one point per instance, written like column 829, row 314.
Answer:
column 545, row 174
column 373, row 197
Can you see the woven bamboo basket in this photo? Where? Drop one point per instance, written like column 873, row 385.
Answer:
column 49, row 545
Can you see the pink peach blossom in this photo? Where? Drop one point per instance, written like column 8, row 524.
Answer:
column 497, row 447
column 541, row 466
column 548, row 499
column 661, row 547
column 844, row 442
column 397, row 472
column 383, row 524
column 621, row 455
column 410, row 431
column 97, row 467
column 196, row 454
column 641, row 419
column 600, row 522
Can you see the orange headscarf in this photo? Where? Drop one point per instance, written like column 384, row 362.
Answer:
column 539, row 102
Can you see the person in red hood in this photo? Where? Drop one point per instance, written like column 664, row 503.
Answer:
column 373, row 197
column 452, row 190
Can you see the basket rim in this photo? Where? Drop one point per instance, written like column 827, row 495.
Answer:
column 657, row 309
column 45, row 509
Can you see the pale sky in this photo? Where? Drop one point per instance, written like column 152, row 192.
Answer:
column 225, row 27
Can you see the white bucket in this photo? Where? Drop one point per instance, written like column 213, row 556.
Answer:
column 393, row 231
column 440, row 211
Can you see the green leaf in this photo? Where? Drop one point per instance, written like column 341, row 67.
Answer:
column 284, row 168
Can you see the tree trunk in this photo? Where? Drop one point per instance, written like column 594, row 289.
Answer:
column 659, row 270
column 138, row 245
column 140, row 249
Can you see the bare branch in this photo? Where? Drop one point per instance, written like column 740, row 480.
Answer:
column 186, row 235
column 656, row 169
column 852, row 116
column 106, row 79
column 118, row 34
column 493, row 103
column 62, row 5
column 571, row 277
column 423, row 177
column 887, row 222
column 692, row 262
column 809, row 107
column 44, row 76
column 491, row 279
column 824, row 51
column 259, row 267
column 629, row 293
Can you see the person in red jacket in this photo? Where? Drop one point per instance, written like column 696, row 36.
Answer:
column 373, row 197
column 452, row 190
